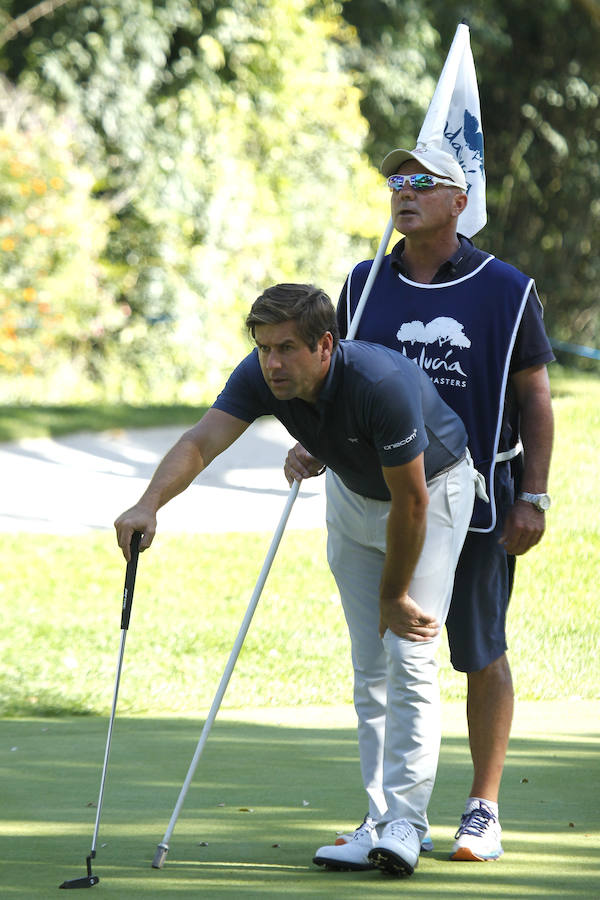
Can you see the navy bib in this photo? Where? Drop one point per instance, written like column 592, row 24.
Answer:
column 461, row 333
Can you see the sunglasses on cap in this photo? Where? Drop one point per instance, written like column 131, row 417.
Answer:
column 419, row 182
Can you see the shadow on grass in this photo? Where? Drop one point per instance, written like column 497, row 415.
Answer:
column 264, row 797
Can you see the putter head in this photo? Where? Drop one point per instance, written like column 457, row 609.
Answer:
column 86, row 882
column 160, row 856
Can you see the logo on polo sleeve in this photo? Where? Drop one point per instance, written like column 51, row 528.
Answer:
column 402, row 443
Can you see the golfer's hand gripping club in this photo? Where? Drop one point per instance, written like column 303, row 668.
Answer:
column 300, row 464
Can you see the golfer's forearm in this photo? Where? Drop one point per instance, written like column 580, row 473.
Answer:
column 405, row 538
column 192, row 453
column 174, row 474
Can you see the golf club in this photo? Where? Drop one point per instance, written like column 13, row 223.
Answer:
column 89, row 880
column 163, row 848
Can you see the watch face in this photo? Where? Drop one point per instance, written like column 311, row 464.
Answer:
column 543, row 502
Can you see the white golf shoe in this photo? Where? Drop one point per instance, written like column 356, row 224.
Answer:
column 345, row 837
column 353, row 854
column 397, row 851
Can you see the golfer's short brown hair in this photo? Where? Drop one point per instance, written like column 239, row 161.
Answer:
column 305, row 304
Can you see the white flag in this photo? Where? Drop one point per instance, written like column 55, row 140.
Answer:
column 453, row 123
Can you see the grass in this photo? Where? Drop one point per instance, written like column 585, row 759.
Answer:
column 59, row 644
column 17, row 422
column 41, row 420
column 61, row 601
column 266, row 795
column 266, row 792
column 62, row 595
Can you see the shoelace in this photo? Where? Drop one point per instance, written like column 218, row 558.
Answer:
column 367, row 825
column 400, row 829
column 475, row 822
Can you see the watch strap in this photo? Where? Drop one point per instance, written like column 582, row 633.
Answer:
column 540, row 501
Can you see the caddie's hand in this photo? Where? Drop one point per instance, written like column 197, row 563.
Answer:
column 523, row 528
column 406, row 619
column 299, row 464
column 138, row 518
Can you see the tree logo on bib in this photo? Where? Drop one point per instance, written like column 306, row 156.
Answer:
column 433, row 346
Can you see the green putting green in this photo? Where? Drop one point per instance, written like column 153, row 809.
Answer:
column 272, row 785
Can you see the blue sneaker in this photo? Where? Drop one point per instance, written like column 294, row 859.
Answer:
column 427, row 843
column 478, row 835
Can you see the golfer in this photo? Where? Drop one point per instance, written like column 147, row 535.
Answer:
column 396, row 524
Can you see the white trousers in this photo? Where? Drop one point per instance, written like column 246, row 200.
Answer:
column 396, row 693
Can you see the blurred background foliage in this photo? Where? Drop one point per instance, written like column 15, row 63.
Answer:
column 161, row 162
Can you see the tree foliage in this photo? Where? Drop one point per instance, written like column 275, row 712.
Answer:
column 226, row 144
column 53, row 299
column 538, row 70
column 540, row 94
column 394, row 63
column 204, row 148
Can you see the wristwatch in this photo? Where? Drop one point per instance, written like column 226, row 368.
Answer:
column 540, row 501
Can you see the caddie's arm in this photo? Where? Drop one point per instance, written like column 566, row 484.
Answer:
column 407, row 523
column 194, row 450
column 525, row 524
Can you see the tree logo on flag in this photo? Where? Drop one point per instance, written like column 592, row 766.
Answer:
column 466, row 144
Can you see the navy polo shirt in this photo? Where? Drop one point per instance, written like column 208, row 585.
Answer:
column 376, row 408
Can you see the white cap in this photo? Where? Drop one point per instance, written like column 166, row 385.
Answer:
column 436, row 161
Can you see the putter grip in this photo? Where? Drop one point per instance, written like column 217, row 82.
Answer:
column 130, row 580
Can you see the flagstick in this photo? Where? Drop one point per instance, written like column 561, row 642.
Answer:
column 369, row 282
